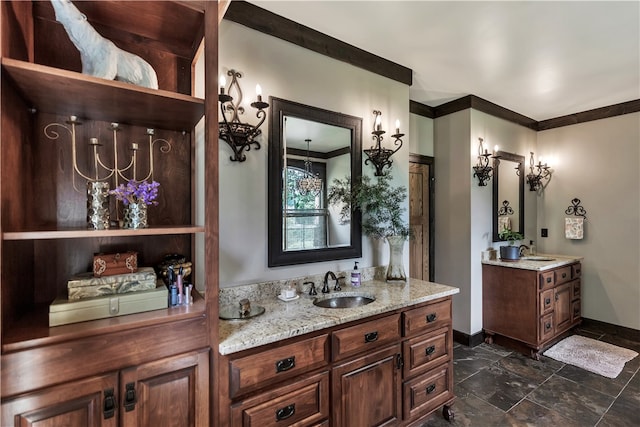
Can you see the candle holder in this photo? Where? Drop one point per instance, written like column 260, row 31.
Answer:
column 482, row 170
column 538, row 173
column 377, row 155
column 238, row 135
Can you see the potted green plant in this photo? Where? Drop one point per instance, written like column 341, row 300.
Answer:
column 510, row 252
column 381, row 205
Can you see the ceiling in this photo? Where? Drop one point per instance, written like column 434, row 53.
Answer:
column 542, row 59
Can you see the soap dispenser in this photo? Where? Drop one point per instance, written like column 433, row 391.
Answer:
column 532, row 247
column 355, row 276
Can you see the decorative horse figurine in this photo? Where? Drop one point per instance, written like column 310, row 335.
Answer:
column 99, row 56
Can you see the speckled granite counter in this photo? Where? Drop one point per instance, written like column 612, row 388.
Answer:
column 530, row 263
column 288, row 319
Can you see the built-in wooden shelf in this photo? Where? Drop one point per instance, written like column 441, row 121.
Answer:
column 79, row 233
column 32, row 328
column 66, row 92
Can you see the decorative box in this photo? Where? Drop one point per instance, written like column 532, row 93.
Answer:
column 110, row 264
column 62, row 311
column 85, row 285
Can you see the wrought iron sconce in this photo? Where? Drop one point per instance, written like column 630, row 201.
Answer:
column 537, row 174
column 240, row 136
column 482, row 170
column 379, row 156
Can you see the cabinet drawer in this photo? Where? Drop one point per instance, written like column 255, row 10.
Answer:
column 575, row 290
column 367, row 336
column 546, row 301
column 563, row 274
column 252, row 372
column 576, row 270
column 304, row 402
column 427, row 351
column 547, row 279
column 427, row 318
column 426, row 392
column 546, row 330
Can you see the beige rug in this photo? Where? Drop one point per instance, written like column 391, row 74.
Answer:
column 595, row 356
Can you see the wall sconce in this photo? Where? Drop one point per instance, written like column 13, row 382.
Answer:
column 238, row 135
column 381, row 157
column 482, row 170
column 534, row 178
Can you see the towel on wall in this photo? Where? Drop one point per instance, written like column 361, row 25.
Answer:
column 574, row 228
column 504, row 222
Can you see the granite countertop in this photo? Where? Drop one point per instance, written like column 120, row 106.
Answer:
column 283, row 320
column 543, row 262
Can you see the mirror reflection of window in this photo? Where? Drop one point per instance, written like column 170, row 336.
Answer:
column 305, row 214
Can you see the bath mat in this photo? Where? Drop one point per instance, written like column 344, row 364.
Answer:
column 594, row 356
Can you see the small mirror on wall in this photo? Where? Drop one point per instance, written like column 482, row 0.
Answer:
column 508, row 193
column 308, row 148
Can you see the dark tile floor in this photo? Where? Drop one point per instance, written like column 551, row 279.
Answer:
column 495, row 386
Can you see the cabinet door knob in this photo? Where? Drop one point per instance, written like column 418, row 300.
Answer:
column 286, row 412
column 547, row 301
column 130, row 397
column 430, row 350
column 547, row 326
column 431, row 317
column 548, row 279
column 371, row 336
column 431, row 388
column 399, row 361
column 109, row 404
column 285, row 364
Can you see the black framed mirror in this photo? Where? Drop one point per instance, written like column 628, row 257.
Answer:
column 508, row 193
column 308, row 148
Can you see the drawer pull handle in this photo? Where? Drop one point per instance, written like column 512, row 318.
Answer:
column 564, row 275
column 130, row 397
column 431, row 388
column 399, row 361
column 547, row 326
column 548, row 279
column 578, row 271
column 431, row 317
column 109, row 404
column 430, row 350
column 285, row 364
column 371, row 336
column 557, row 297
column 547, row 301
column 286, row 412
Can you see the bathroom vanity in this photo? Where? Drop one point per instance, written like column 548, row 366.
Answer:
column 531, row 302
column 388, row 362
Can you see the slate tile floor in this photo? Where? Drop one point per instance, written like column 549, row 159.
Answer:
column 495, row 386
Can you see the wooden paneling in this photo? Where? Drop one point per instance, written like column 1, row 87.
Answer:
column 421, row 109
column 419, row 221
column 595, row 114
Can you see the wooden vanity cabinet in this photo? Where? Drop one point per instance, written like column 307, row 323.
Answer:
column 530, row 307
column 388, row 370
column 89, row 373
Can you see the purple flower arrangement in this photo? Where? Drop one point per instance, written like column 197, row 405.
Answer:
column 136, row 192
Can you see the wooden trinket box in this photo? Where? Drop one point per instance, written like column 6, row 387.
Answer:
column 110, row 264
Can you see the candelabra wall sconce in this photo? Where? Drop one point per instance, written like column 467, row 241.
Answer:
column 482, row 170
column 377, row 155
column 239, row 136
column 538, row 173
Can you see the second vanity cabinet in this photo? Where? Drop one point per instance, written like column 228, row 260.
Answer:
column 390, row 369
column 529, row 306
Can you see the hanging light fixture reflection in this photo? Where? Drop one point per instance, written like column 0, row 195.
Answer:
column 309, row 183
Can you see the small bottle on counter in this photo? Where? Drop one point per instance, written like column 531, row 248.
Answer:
column 355, row 276
column 532, row 247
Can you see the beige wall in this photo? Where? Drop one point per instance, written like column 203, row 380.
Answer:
column 290, row 72
column 598, row 162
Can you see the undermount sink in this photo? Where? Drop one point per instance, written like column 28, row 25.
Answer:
column 538, row 258
column 344, row 301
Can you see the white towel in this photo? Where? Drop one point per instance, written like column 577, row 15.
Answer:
column 504, row 222
column 574, row 228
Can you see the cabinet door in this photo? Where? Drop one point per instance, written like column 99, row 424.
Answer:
column 367, row 390
column 90, row 402
column 562, row 307
column 170, row 392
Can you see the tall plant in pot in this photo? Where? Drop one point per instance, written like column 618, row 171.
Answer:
column 510, row 252
column 382, row 210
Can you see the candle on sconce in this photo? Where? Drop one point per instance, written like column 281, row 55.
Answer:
column 134, row 146
column 495, row 149
column 259, row 93
column 378, row 123
column 223, row 83
column 397, row 126
column 93, row 141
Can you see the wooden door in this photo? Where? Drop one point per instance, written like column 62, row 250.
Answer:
column 562, row 308
column 366, row 391
column 170, row 392
column 419, row 220
column 90, row 402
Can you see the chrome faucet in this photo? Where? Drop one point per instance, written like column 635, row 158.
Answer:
column 325, row 288
column 522, row 248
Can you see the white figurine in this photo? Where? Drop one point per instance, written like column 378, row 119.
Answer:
column 99, row 56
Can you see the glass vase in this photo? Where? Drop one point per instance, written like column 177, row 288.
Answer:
column 395, row 270
column 98, row 205
column 135, row 215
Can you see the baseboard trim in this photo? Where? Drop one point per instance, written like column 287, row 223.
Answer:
column 468, row 340
column 597, row 326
